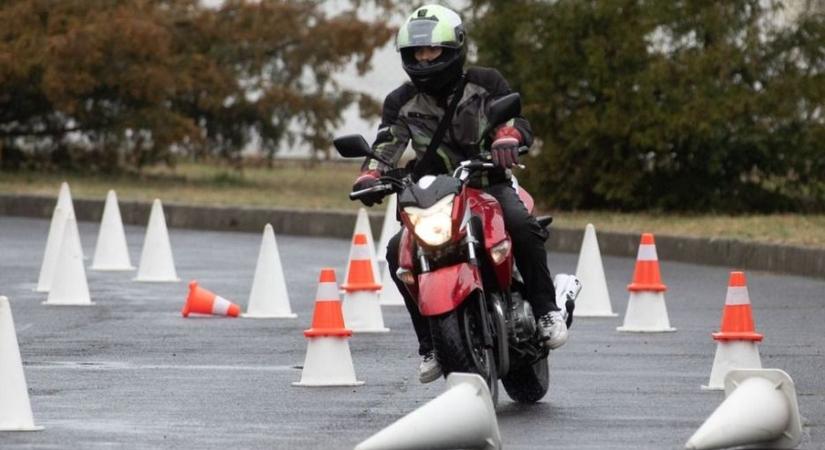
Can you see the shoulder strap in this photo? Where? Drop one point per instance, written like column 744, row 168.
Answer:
column 428, row 161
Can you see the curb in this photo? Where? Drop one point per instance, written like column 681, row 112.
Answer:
column 730, row 253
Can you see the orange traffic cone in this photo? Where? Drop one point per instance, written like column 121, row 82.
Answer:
column 646, row 309
column 362, row 306
column 646, row 276
column 736, row 340
column 202, row 301
column 328, row 361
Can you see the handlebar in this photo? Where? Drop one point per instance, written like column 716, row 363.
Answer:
column 379, row 188
column 392, row 184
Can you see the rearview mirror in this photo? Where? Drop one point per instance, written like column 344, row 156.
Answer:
column 353, row 146
column 503, row 109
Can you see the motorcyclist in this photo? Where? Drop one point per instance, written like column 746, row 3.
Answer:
column 433, row 47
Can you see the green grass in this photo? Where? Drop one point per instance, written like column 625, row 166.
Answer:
column 326, row 185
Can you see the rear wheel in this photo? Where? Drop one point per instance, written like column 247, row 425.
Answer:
column 527, row 383
column 459, row 344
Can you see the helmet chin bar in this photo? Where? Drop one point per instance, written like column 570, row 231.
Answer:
column 438, row 77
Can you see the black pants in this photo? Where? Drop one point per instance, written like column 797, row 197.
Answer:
column 528, row 239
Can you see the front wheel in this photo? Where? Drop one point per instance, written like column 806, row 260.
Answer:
column 527, row 383
column 459, row 344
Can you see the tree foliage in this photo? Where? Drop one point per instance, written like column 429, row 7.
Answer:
column 681, row 105
column 129, row 82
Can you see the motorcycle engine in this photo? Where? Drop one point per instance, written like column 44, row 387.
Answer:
column 523, row 323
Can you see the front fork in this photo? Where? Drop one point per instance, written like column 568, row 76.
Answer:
column 491, row 313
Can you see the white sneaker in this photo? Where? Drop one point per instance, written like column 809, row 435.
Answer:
column 553, row 329
column 429, row 370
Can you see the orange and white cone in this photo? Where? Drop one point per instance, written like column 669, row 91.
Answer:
column 328, row 361
column 737, row 339
column 15, row 407
column 362, row 308
column 202, row 301
column 646, row 309
column 362, row 226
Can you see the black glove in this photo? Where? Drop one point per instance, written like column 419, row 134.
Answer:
column 367, row 180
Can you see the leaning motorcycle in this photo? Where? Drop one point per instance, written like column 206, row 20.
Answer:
column 455, row 259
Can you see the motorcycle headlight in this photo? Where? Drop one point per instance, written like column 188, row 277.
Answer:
column 433, row 225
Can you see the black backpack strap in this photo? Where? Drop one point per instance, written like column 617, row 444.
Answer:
column 430, row 158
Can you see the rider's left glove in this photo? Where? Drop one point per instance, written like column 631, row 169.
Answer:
column 504, row 150
column 366, row 180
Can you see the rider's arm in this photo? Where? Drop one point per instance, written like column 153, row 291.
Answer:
column 497, row 87
column 393, row 132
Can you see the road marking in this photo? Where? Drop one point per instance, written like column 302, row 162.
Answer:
column 109, row 365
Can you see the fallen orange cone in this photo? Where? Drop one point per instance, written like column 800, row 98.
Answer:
column 736, row 340
column 202, row 301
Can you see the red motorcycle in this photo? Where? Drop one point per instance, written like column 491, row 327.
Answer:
column 455, row 258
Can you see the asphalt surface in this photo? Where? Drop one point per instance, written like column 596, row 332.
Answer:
column 130, row 371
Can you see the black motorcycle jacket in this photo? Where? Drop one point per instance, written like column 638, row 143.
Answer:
column 412, row 116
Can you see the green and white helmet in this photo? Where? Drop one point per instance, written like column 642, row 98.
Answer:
column 433, row 26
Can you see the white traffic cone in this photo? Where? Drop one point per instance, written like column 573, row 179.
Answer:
column 64, row 201
column 760, row 411
column 362, row 226
column 646, row 309
column 390, row 228
column 737, row 338
column 328, row 361
column 462, row 417
column 269, row 298
column 44, row 281
column 111, row 252
column 69, row 286
column 594, row 299
column 64, row 198
column 362, row 310
column 390, row 295
column 15, row 407
column 156, row 262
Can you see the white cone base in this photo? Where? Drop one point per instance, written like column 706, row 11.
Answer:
column 462, row 417
column 68, row 303
column 594, row 314
column 760, row 411
column 268, row 316
column 646, row 313
column 389, row 293
column 732, row 355
column 112, row 269
column 157, row 280
column 362, row 312
column 328, row 363
column 35, row 428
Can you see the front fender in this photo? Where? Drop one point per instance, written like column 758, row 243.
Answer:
column 443, row 290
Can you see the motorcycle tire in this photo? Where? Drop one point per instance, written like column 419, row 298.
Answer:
column 527, row 383
column 459, row 345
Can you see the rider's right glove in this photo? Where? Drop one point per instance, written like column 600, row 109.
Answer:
column 504, row 150
column 368, row 179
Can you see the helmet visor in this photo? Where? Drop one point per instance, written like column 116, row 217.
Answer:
column 426, row 32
